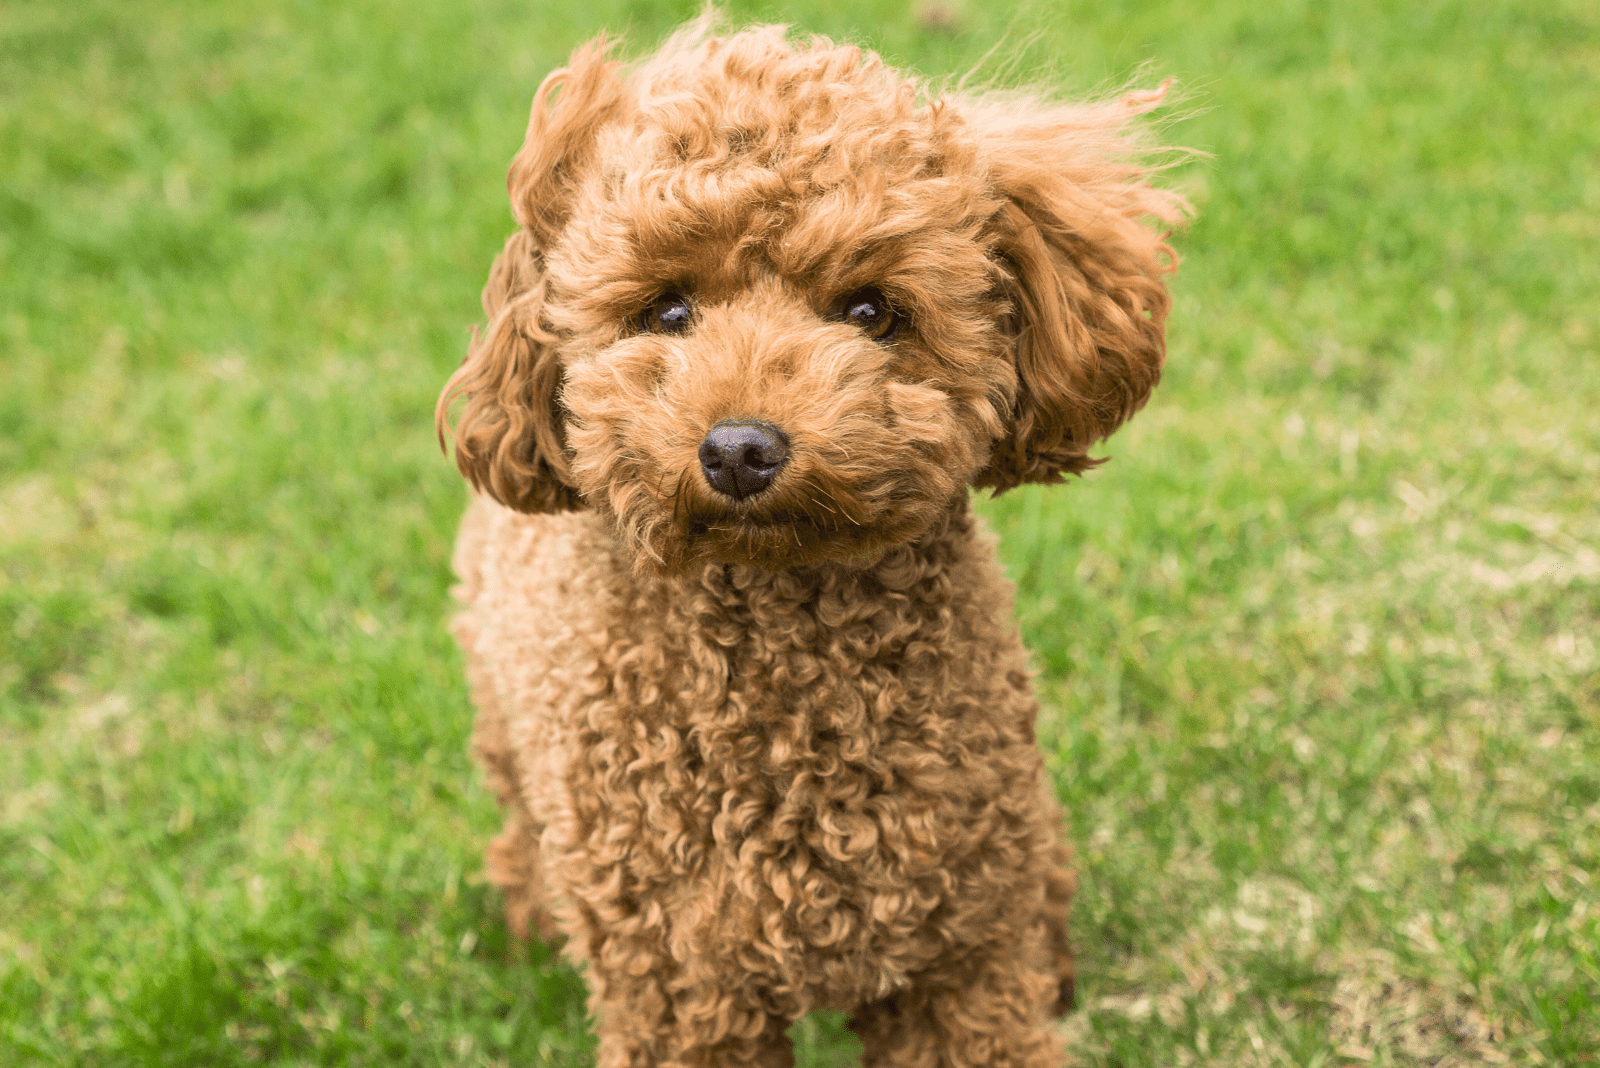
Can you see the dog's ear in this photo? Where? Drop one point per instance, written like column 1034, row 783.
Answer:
column 1084, row 276
column 587, row 94
column 509, row 440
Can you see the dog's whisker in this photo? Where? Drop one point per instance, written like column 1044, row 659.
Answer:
column 818, row 500
column 678, row 492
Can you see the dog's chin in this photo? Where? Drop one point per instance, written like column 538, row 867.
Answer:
column 771, row 542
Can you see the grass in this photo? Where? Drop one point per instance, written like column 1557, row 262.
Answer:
column 1318, row 646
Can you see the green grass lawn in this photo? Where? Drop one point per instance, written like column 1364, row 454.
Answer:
column 1319, row 645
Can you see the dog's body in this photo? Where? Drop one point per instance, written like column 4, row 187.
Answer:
column 759, row 793
column 747, row 681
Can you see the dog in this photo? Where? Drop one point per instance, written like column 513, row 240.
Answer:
column 749, row 690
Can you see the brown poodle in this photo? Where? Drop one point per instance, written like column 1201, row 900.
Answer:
column 748, row 686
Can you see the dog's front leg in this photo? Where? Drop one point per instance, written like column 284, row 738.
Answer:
column 988, row 1011
column 649, row 1018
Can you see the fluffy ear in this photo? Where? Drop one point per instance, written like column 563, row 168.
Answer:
column 560, row 143
column 510, row 441
column 1084, row 277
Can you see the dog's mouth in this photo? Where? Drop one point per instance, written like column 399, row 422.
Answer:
column 772, row 544
column 801, row 520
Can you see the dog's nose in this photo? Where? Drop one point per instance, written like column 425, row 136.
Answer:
column 741, row 458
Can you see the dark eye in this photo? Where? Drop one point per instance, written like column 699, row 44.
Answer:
column 868, row 311
column 669, row 313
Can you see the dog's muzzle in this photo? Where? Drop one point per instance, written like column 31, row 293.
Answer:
column 740, row 458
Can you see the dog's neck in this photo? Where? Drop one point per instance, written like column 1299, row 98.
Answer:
column 780, row 668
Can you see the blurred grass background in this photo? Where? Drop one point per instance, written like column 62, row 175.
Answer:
column 1319, row 645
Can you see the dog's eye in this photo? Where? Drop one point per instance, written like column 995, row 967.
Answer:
column 868, row 311
column 669, row 313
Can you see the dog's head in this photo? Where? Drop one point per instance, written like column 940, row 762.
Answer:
column 770, row 305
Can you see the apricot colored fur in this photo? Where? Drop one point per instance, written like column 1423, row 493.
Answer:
column 773, row 754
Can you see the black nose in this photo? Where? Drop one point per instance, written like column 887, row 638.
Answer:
column 740, row 459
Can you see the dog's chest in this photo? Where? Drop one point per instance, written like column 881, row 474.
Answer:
column 797, row 774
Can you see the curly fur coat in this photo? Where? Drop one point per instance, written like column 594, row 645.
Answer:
column 748, row 686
